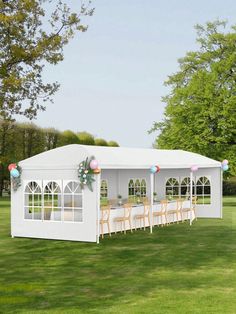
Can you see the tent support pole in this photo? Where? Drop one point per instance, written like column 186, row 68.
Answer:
column 221, row 192
column 98, row 206
column 191, row 196
column 151, row 207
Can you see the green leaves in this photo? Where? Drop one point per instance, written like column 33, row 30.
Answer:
column 200, row 112
column 30, row 38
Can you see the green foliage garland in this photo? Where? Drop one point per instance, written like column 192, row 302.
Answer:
column 86, row 174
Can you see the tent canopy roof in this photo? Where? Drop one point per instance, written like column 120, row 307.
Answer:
column 69, row 157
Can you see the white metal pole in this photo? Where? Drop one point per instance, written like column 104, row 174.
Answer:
column 98, row 206
column 191, row 196
column 151, row 207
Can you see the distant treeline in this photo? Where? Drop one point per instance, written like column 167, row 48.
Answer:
column 19, row 141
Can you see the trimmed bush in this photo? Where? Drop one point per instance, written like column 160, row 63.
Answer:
column 100, row 142
column 229, row 187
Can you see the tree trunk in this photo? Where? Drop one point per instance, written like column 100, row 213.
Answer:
column 1, row 178
column 30, row 143
column 55, row 140
column 2, row 155
column 23, row 143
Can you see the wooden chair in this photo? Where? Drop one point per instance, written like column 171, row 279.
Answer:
column 189, row 209
column 105, row 218
column 177, row 211
column 144, row 215
column 125, row 217
column 162, row 213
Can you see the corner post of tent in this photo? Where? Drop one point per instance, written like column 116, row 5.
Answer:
column 151, row 207
column 191, row 196
column 98, row 206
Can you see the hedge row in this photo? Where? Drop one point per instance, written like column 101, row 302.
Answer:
column 229, row 187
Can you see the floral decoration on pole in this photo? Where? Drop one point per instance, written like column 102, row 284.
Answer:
column 86, row 171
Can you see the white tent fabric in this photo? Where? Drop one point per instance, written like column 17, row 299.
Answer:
column 69, row 157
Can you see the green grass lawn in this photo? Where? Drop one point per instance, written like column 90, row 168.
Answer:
column 177, row 269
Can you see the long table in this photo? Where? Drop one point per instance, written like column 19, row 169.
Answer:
column 118, row 211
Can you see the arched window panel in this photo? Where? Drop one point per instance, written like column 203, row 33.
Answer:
column 131, row 190
column 172, row 182
column 73, row 201
column 203, row 190
column 203, row 181
column 185, row 187
column 172, row 188
column 104, row 192
column 137, row 187
column 33, row 187
column 45, row 200
column 72, row 187
column 33, row 200
column 143, row 188
column 104, row 189
column 52, row 187
column 52, row 195
column 131, row 187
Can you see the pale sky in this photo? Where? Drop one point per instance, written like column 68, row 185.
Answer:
column 112, row 76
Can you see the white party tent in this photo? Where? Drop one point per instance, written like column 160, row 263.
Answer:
column 51, row 204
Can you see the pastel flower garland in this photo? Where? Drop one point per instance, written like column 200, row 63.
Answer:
column 86, row 171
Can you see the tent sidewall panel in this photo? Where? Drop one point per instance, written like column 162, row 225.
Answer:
column 213, row 210
column 68, row 230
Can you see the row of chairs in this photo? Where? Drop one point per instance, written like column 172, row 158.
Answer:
column 162, row 217
column 179, row 212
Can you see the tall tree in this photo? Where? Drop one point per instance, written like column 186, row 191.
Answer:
column 7, row 149
column 200, row 113
column 19, row 141
column 29, row 140
column 32, row 37
column 51, row 138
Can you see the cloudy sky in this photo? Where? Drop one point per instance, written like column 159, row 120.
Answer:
column 112, row 76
